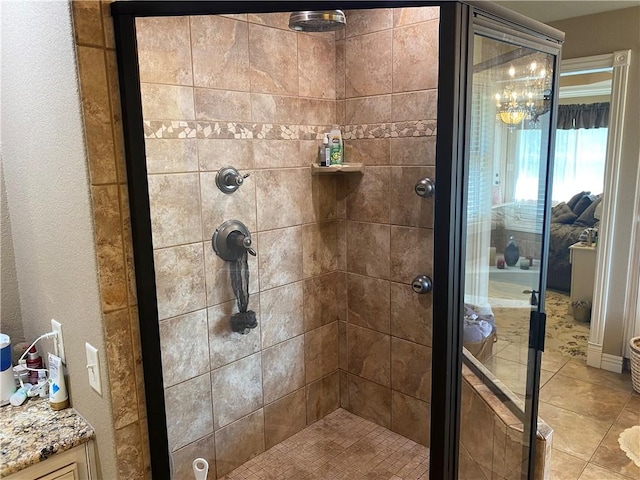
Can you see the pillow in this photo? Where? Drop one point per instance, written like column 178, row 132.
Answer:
column 566, row 218
column 560, row 209
column 575, row 199
column 586, row 219
column 582, row 205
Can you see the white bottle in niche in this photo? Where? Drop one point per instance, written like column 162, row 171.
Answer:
column 335, row 141
column 326, row 152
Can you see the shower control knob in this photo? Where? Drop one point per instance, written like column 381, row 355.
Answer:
column 228, row 179
column 425, row 187
column 422, row 284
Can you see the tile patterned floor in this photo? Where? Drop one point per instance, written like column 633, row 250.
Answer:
column 588, row 408
column 341, row 446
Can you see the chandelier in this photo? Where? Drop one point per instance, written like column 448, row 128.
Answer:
column 525, row 93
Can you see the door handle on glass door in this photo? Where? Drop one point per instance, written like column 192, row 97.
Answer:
column 422, row 284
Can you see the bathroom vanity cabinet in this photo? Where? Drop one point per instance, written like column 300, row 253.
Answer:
column 73, row 464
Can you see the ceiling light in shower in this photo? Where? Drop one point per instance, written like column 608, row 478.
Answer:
column 317, row 21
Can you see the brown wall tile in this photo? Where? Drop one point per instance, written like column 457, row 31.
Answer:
column 374, row 151
column 368, row 249
column 368, row 197
column 410, row 417
column 174, row 209
column 164, row 52
column 476, row 431
column 180, row 280
column 225, row 345
column 220, row 49
column 269, row 108
column 277, row 20
column 407, row 208
column 109, row 245
column 411, row 253
column 323, row 197
column 368, row 64
column 407, row 16
column 283, row 369
column 415, row 59
column 319, row 248
column 129, row 451
column 316, row 66
column 323, row 397
column 368, row 302
column 96, row 115
column 317, row 112
column 167, row 102
column 367, row 110
column 218, row 207
column 215, row 154
column 369, row 354
column 182, row 465
column 422, row 105
column 279, row 264
column 370, row 400
column 87, row 22
column 120, row 365
column 325, row 300
column 185, row 347
column 282, row 313
column 171, row 155
column 413, row 151
column 188, row 407
column 360, row 22
column 239, row 442
column 411, row 369
column 237, row 390
column 277, row 154
column 222, row 105
column 284, row 418
column 340, row 73
column 321, row 351
column 273, row 69
column 282, row 197
column 411, row 314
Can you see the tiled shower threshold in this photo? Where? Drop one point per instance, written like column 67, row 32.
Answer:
column 340, row 446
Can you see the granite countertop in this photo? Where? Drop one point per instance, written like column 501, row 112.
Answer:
column 33, row 432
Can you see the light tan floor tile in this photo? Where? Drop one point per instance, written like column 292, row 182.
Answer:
column 584, row 398
column 575, row 434
column 594, row 472
column 609, row 454
column 565, row 466
column 551, row 361
column 578, row 369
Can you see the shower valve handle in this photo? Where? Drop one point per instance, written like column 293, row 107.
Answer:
column 246, row 243
column 228, row 179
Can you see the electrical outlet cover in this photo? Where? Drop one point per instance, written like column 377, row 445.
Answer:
column 93, row 367
column 57, row 327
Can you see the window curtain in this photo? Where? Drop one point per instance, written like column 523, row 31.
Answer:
column 573, row 117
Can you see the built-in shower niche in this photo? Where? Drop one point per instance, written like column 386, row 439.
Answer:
column 337, row 322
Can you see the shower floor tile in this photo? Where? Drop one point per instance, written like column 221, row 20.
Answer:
column 341, row 446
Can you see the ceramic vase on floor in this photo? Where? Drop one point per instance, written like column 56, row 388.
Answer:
column 511, row 252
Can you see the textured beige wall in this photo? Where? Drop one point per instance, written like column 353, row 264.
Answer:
column 594, row 35
column 10, row 312
column 48, row 197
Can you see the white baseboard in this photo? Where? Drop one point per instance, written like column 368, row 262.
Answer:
column 612, row 363
column 594, row 355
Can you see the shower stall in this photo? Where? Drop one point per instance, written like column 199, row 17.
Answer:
column 303, row 321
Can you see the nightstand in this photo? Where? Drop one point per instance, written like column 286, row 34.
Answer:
column 583, row 269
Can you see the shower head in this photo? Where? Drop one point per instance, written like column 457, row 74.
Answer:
column 320, row 21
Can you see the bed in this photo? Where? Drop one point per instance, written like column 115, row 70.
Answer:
column 568, row 221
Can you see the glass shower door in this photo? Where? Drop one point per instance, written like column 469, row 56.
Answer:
column 503, row 287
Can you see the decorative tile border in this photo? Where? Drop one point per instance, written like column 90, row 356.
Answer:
column 270, row 131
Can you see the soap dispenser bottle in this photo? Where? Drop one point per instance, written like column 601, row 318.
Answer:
column 335, row 137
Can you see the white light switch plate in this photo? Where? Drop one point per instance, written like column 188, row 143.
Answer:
column 93, row 367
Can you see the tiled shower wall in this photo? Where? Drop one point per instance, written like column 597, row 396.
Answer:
column 387, row 79
column 243, row 91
